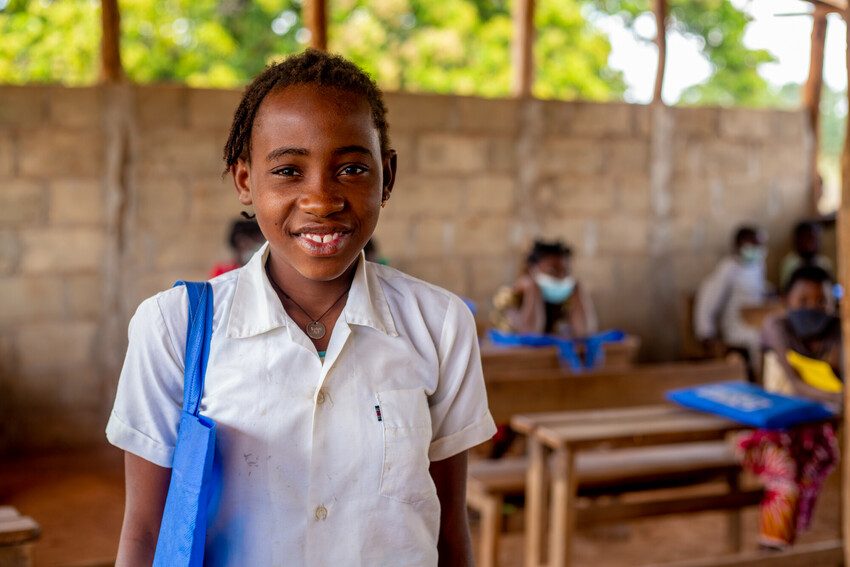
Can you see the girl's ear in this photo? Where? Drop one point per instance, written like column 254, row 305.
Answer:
column 390, row 162
column 241, row 181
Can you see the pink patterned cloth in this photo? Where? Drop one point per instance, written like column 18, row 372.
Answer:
column 793, row 465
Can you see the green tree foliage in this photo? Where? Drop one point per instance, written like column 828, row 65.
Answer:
column 464, row 46
column 719, row 26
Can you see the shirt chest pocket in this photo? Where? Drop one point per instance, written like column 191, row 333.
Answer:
column 407, row 434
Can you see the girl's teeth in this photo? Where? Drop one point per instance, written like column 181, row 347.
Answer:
column 319, row 239
column 328, row 238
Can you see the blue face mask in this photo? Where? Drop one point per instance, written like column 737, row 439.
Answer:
column 554, row 290
column 753, row 254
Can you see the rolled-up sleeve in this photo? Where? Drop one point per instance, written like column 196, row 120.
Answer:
column 148, row 402
column 460, row 418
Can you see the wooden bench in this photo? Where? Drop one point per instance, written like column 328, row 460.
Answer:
column 17, row 535
column 609, row 472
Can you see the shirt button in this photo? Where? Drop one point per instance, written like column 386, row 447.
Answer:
column 320, row 398
column 321, row 513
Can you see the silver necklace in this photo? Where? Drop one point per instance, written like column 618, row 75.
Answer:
column 315, row 329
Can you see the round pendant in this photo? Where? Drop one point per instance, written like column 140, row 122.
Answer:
column 315, row 330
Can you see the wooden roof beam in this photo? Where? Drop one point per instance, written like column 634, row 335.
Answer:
column 831, row 6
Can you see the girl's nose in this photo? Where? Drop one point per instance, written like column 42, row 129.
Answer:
column 321, row 200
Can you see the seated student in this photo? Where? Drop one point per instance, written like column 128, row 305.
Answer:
column 546, row 298
column 806, row 252
column 737, row 282
column 794, row 463
column 808, row 328
column 245, row 239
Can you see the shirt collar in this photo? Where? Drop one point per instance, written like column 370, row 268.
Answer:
column 256, row 308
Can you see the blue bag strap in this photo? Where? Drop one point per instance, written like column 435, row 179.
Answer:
column 198, row 335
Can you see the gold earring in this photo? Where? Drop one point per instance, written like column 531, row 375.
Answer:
column 383, row 203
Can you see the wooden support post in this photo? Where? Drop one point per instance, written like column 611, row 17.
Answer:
column 844, row 279
column 812, row 96
column 660, row 9
column 317, row 23
column 110, row 42
column 523, row 48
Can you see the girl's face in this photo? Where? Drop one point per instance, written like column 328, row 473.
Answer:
column 316, row 177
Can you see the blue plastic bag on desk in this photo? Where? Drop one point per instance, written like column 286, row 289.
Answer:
column 751, row 405
column 566, row 347
column 194, row 480
column 594, row 352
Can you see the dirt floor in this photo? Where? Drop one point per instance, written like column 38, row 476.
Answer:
column 78, row 499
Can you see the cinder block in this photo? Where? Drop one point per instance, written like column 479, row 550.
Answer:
column 214, row 199
column 440, row 196
column 161, row 105
column 76, row 107
column 48, row 152
column 394, row 236
column 483, row 235
column 571, row 156
column 696, row 121
column 627, row 157
column 503, row 155
column 624, row 234
column 491, row 194
column 7, row 154
column 446, row 273
column 22, row 106
column 574, row 195
column 212, row 108
column 598, row 120
column 489, row 273
column 791, row 126
column 434, row 237
column 446, row 153
column 50, row 353
column 30, row 299
column 60, row 251
column 10, row 251
column 22, row 201
column 161, row 200
column 80, row 202
column 489, row 116
column 632, row 193
column 84, row 296
column 164, row 151
column 408, row 113
column 191, row 246
column 735, row 162
column 405, row 147
column 746, row 123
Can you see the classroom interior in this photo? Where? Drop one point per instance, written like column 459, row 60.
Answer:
column 113, row 192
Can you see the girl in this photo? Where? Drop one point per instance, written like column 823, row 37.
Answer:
column 345, row 393
column 546, row 298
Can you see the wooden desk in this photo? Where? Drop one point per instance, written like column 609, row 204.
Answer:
column 565, row 433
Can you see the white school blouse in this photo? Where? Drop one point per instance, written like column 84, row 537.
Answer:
column 323, row 463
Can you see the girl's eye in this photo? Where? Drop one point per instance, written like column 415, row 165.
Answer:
column 287, row 171
column 353, row 170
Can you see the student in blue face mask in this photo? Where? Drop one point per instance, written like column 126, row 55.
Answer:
column 546, row 298
column 737, row 282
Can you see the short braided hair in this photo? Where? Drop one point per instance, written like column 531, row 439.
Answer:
column 311, row 67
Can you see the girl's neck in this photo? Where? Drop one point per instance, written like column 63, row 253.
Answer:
column 312, row 295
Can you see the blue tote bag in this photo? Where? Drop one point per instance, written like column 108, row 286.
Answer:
column 193, row 478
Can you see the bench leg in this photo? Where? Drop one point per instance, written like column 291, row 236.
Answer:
column 734, row 524
column 563, row 509
column 491, row 524
column 535, row 501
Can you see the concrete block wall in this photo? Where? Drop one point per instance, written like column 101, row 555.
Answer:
column 110, row 194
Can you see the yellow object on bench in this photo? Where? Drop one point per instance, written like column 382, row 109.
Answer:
column 816, row 373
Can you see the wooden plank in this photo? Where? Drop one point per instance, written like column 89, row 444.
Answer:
column 690, row 427
column 660, row 10
column 516, row 359
column 620, row 511
column 844, row 277
column 801, row 555
column 525, row 423
column 535, row 505
column 317, row 23
column 111, row 70
column 535, row 391
column 811, row 98
column 18, row 531
column 563, row 509
column 832, row 6
column 523, row 48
